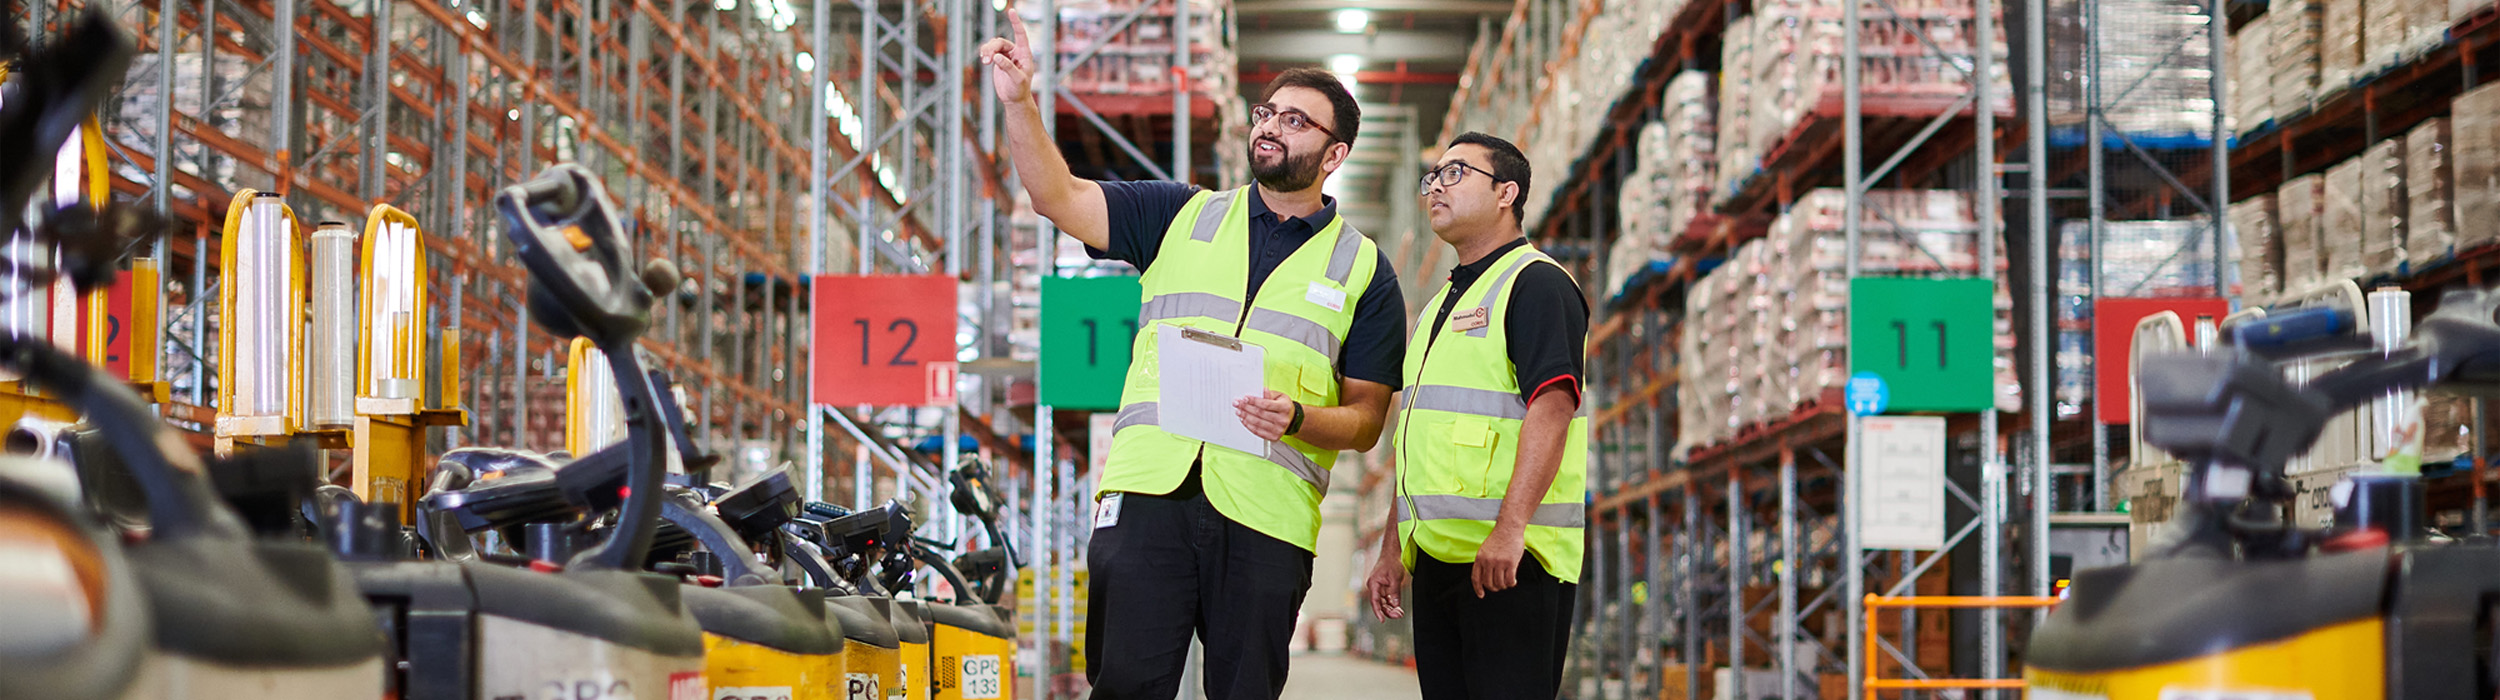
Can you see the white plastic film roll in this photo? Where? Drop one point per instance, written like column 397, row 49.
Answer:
column 332, row 355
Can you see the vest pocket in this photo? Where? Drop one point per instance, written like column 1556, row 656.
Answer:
column 1472, row 443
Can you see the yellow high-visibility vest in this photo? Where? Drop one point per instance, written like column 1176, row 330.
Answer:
column 1457, row 438
column 1300, row 316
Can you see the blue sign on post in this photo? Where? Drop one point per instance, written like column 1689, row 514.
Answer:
column 1867, row 395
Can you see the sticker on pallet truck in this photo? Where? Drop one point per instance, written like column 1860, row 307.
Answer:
column 980, row 677
column 781, row 692
column 863, row 686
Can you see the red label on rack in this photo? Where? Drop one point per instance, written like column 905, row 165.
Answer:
column 2113, row 334
column 883, row 340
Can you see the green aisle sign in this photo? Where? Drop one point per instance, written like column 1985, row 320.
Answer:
column 1931, row 341
column 1088, row 324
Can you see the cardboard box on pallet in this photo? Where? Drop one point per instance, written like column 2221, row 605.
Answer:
column 2261, row 249
column 2383, row 207
column 2300, row 215
column 2474, row 130
column 2340, row 237
column 2430, row 214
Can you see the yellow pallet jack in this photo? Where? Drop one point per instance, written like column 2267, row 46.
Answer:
column 2241, row 602
column 575, row 616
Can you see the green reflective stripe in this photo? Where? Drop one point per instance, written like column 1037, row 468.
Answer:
column 1295, row 328
column 1145, row 413
column 1300, row 464
column 1445, row 507
column 1187, row 305
column 1341, row 262
column 1474, row 402
column 1211, row 216
column 1493, row 294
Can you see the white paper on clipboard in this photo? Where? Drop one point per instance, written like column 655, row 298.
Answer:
column 1202, row 374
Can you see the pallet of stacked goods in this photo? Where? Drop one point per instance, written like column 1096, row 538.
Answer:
column 2297, row 59
column 2074, row 323
column 1738, row 155
column 2341, row 51
column 2261, row 250
column 2383, row 208
column 1692, row 126
column 2156, row 67
column 2300, row 218
column 2385, row 26
column 2339, row 242
column 2474, row 131
column 1642, row 227
column 2430, row 216
column 2251, row 80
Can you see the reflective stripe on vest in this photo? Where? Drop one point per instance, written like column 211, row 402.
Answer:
column 1150, row 413
column 1446, row 507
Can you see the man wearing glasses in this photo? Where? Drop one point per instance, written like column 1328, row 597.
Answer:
column 1191, row 538
column 1492, row 461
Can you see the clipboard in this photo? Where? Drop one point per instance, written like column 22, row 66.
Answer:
column 1202, row 374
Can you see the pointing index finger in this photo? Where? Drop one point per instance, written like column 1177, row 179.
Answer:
column 1015, row 21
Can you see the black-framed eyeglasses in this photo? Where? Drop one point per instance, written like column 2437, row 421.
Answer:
column 1295, row 121
column 1449, row 175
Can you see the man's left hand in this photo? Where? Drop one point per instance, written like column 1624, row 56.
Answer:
column 1497, row 560
column 1266, row 416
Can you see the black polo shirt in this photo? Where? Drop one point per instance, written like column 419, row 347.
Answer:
column 1549, row 321
column 1375, row 345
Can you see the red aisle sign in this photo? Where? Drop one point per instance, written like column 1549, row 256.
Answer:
column 116, row 325
column 883, row 340
column 2113, row 333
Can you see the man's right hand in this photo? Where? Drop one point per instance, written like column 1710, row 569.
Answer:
column 1011, row 63
column 1387, row 582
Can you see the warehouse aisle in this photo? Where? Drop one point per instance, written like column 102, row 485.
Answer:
column 1333, row 676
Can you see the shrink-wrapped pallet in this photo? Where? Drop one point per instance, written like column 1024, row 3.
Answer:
column 2300, row 215
column 2474, row 130
column 2382, row 181
column 2430, row 216
column 2261, row 249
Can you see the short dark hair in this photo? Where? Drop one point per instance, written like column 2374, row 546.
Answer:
column 1348, row 119
column 1509, row 165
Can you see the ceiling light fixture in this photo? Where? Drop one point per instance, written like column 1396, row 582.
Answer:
column 1353, row 21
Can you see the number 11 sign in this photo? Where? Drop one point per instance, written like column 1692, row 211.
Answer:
column 1931, row 341
column 883, row 340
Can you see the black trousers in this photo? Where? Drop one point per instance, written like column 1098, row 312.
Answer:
column 1173, row 567
column 1508, row 645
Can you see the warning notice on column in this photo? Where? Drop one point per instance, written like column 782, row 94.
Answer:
column 1901, row 482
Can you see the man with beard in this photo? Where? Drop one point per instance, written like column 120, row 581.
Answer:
column 1192, row 538
column 1491, row 462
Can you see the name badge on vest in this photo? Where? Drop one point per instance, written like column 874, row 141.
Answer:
column 1469, row 320
column 1326, row 296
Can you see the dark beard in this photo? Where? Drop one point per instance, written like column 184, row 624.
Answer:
column 1292, row 173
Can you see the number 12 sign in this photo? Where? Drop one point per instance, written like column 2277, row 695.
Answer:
column 883, row 340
